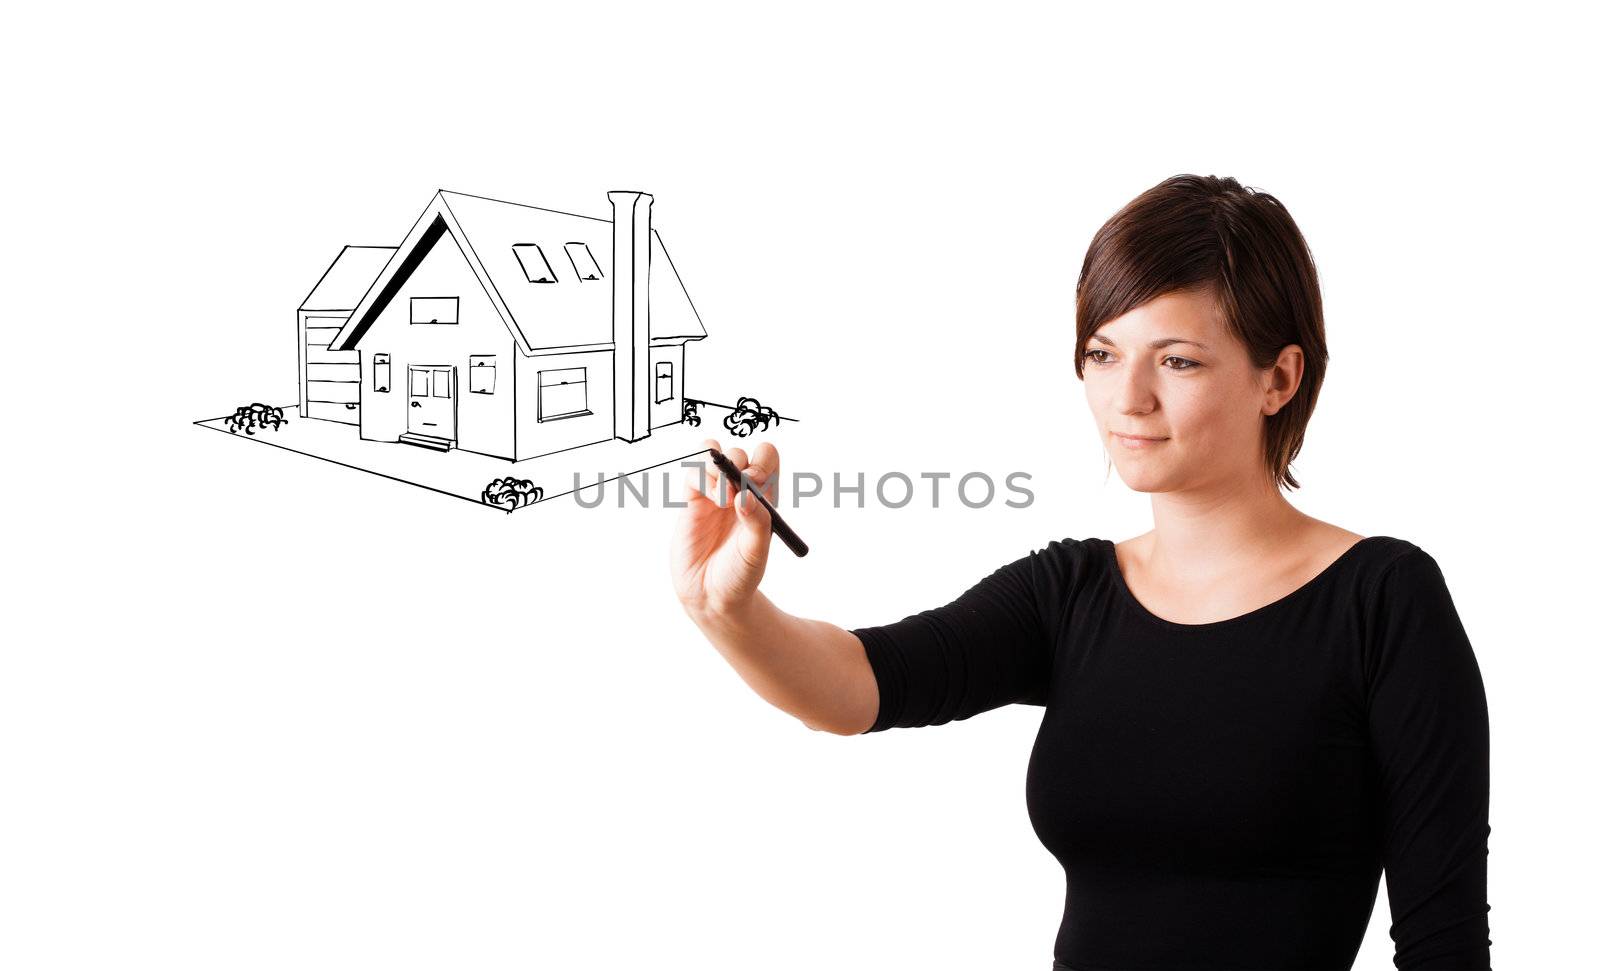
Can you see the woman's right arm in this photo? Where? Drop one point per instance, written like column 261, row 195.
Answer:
column 816, row 671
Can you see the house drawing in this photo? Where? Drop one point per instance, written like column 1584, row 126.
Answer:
column 502, row 329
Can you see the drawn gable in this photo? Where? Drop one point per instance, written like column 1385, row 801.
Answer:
column 436, row 324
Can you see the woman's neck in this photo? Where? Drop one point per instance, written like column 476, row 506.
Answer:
column 1214, row 532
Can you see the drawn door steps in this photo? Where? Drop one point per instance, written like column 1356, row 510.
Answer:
column 427, row 441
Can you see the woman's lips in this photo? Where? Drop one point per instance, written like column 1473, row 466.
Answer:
column 1135, row 442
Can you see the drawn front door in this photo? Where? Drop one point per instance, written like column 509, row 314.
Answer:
column 432, row 408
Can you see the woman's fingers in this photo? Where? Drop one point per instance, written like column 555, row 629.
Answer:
column 763, row 470
column 700, row 474
column 754, row 515
column 739, row 460
column 761, row 467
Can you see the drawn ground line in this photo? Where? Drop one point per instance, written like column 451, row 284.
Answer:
column 718, row 404
column 621, row 475
column 296, row 406
column 347, row 465
column 443, row 492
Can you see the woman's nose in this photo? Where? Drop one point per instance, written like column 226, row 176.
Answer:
column 1134, row 392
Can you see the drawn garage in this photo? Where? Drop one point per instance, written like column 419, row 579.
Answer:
column 503, row 329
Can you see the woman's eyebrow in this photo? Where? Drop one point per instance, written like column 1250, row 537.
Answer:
column 1163, row 342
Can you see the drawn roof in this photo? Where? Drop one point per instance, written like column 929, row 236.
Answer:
column 568, row 313
column 349, row 277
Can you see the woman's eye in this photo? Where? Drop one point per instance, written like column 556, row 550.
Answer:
column 1183, row 364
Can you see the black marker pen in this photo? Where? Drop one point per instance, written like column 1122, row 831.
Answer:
column 779, row 527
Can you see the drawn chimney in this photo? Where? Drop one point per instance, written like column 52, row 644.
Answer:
column 630, row 313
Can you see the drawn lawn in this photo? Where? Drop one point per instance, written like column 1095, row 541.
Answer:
column 467, row 474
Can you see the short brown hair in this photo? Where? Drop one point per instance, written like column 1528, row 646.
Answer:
column 1198, row 231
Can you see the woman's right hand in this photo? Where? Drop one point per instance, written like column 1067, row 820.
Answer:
column 719, row 553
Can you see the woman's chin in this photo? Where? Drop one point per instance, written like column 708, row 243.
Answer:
column 1144, row 480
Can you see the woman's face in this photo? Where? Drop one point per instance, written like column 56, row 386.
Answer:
column 1171, row 371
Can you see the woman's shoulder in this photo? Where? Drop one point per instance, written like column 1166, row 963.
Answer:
column 1066, row 562
column 1385, row 557
column 1409, row 614
column 1399, row 578
column 1069, row 551
column 1069, row 546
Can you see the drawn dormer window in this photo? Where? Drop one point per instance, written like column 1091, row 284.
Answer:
column 534, row 266
column 583, row 261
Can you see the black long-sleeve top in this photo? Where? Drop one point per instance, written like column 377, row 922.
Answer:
column 1224, row 795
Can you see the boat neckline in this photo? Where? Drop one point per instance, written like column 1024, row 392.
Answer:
column 1109, row 549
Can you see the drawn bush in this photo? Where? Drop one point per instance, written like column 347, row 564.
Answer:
column 691, row 412
column 248, row 418
column 748, row 416
column 510, row 493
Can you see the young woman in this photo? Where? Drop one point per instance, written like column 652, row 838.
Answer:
column 1248, row 712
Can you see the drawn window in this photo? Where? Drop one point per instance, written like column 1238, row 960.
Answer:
column 380, row 372
column 441, row 383
column 583, row 261
column 434, row 310
column 534, row 266
column 563, row 393
column 663, row 381
column 480, row 374
column 419, row 383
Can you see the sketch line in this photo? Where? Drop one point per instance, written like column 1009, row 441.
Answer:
column 524, row 205
column 202, row 421
column 624, row 475
column 324, row 458
column 732, row 408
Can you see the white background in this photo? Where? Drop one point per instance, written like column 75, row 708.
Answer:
column 257, row 711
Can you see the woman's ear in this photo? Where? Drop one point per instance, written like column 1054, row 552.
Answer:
column 1282, row 377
